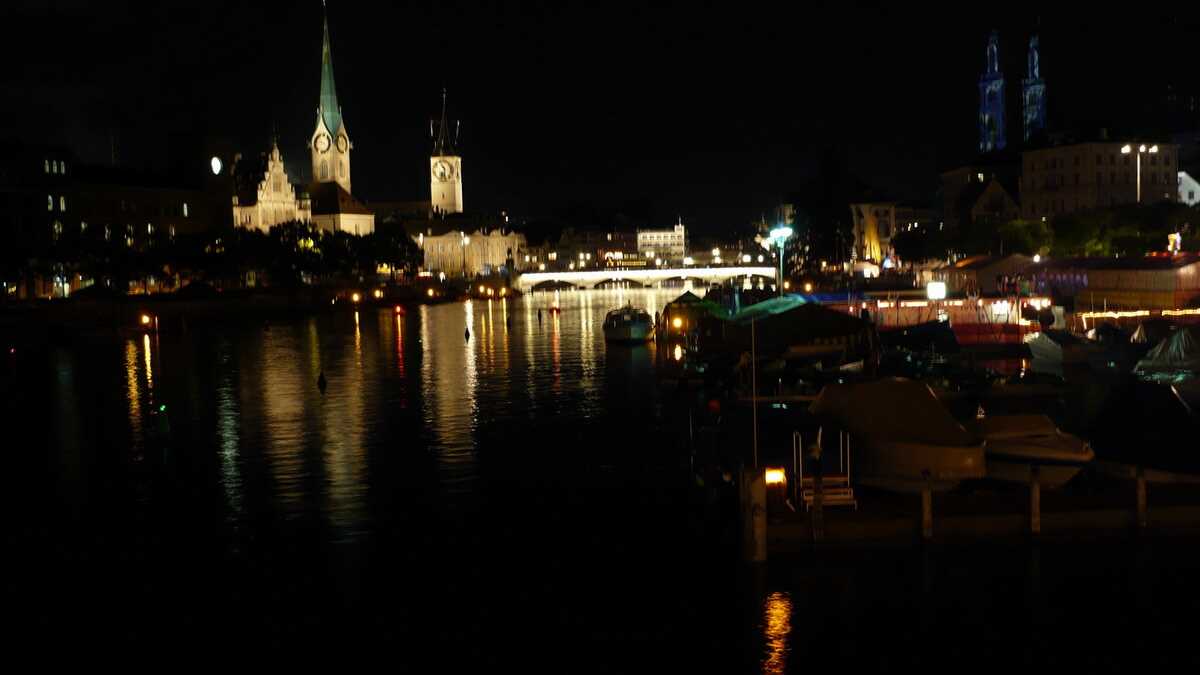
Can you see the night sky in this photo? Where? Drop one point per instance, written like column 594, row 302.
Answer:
column 712, row 112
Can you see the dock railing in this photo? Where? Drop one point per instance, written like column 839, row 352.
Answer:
column 820, row 487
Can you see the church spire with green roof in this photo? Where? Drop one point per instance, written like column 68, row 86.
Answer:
column 329, row 110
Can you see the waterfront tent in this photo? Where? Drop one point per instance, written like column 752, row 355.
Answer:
column 690, row 309
column 1152, row 331
column 791, row 327
column 1179, row 351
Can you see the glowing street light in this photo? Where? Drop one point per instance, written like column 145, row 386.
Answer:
column 780, row 236
column 1142, row 149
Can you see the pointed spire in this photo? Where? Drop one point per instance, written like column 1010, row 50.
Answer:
column 328, row 107
column 441, row 144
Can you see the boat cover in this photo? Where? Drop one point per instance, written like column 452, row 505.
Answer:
column 1179, row 351
column 892, row 410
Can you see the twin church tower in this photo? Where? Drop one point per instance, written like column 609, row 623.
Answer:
column 330, row 145
column 991, row 97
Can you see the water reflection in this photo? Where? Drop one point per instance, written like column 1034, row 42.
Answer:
column 777, row 619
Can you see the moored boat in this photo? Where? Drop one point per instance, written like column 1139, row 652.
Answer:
column 628, row 324
column 1017, row 443
column 905, row 439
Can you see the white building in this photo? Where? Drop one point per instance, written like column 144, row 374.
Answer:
column 470, row 251
column 1189, row 189
column 264, row 196
column 666, row 244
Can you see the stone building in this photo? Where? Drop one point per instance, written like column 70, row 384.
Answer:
column 264, row 195
column 1075, row 176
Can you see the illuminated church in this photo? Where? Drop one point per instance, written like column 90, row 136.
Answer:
column 334, row 208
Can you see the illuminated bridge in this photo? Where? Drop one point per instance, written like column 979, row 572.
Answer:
column 643, row 277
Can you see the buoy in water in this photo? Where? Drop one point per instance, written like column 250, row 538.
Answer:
column 466, row 333
column 321, row 383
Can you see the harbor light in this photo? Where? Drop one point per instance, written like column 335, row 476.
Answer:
column 808, row 287
column 786, row 284
column 429, row 292
column 502, row 292
column 776, row 477
column 400, row 310
column 678, row 352
column 745, row 257
column 1037, row 258
column 677, row 322
column 936, row 290
column 145, row 319
column 378, row 293
column 688, row 261
column 483, row 289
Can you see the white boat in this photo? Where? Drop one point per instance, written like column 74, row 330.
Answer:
column 628, row 324
column 905, row 438
column 1015, row 443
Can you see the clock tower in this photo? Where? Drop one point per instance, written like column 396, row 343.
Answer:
column 445, row 168
column 330, row 144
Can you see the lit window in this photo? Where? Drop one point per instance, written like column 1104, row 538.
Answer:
column 62, row 203
column 47, row 166
column 324, row 170
column 57, row 229
column 107, row 233
column 62, row 168
column 172, row 231
column 149, row 228
column 49, row 202
column 83, row 226
column 185, row 210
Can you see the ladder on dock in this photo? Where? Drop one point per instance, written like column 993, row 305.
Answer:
column 836, row 489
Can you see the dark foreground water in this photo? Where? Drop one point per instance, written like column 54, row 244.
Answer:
column 517, row 499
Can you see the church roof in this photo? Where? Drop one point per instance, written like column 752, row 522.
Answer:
column 443, row 145
column 331, row 199
column 330, row 112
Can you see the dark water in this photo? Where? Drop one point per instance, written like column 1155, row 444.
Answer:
column 518, row 498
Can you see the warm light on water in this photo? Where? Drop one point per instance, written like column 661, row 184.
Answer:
column 777, row 619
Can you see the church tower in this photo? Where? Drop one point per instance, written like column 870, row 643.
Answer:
column 1034, row 98
column 991, row 100
column 330, row 144
column 445, row 168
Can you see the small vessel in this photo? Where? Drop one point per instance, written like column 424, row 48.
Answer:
column 905, row 438
column 1015, row 443
column 628, row 324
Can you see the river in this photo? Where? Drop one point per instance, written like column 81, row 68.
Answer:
column 482, row 483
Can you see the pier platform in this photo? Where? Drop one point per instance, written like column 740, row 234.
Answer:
column 1100, row 503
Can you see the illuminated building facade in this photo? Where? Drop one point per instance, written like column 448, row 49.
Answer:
column 1034, row 90
column 445, row 169
column 333, row 206
column 991, row 100
column 665, row 244
column 1087, row 175
column 264, row 196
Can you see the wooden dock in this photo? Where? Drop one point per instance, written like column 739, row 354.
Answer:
column 1100, row 505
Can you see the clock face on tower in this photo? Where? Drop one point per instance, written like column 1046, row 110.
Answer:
column 342, row 143
column 323, row 143
column 443, row 170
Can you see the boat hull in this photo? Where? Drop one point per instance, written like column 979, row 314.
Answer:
column 629, row 334
column 902, row 466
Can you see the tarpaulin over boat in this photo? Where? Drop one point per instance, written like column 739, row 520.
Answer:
column 1179, row 351
column 892, row 410
column 790, row 326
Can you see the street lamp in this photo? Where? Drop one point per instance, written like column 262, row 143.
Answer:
column 1142, row 149
column 780, row 235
